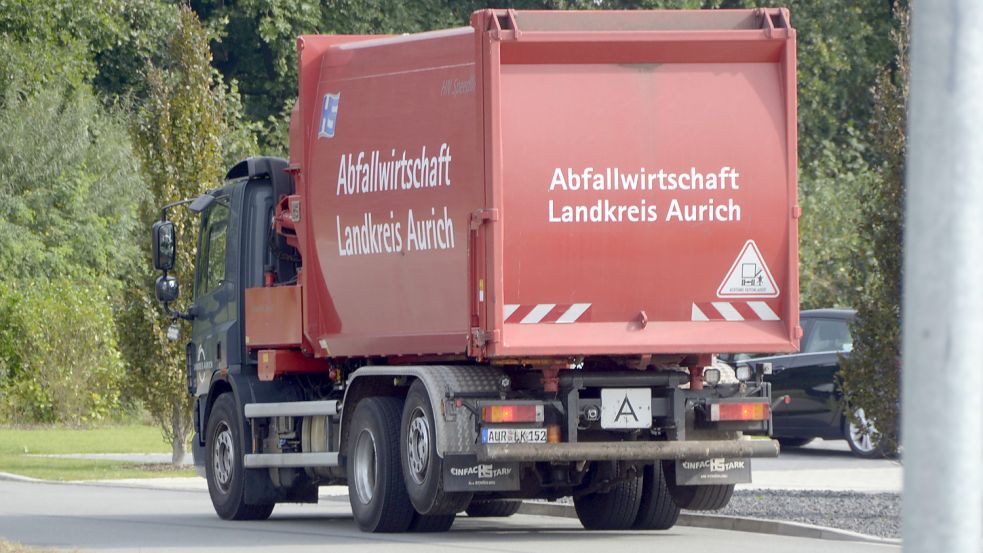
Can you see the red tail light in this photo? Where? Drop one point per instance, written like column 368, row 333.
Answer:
column 739, row 411
column 512, row 413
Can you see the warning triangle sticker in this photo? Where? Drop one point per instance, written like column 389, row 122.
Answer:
column 748, row 277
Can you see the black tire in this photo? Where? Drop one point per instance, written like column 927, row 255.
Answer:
column 697, row 498
column 223, row 464
column 431, row 523
column 375, row 479
column 614, row 510
column 657, row 510
column 794, row 442
column 493, row 508
column 423, row 469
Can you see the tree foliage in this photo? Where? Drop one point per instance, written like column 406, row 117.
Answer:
column 181, row 136
column 872, row 374
column 70, row 187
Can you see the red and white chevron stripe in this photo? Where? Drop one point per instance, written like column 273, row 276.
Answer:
column 546, row 313
column 734, row 311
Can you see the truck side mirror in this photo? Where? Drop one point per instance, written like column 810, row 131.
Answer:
column 164, row 247
column 167, row 289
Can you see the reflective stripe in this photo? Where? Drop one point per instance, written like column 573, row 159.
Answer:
column 762, row 310
column 727, row 311
column 698, row 315
column 538, row 313
column 509, row 310
column 574, row 313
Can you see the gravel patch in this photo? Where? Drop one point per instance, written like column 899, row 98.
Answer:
column 875, row 514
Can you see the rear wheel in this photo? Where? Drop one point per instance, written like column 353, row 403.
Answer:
column 223, row 464
column 375, row 479
column 431, row 523
column 423, row 469
column 657, row 510
column 493, row 508
column 616, row 509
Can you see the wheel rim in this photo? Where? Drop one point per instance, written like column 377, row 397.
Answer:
column 861, row 440
column 223, row 454
column 418, row 446
column 365, row 466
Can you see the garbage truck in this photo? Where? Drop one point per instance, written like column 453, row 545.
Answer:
column 497, row 266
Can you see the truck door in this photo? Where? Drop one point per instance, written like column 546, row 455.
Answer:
column 215, row 295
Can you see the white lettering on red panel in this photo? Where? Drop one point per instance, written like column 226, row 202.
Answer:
column 612, row 179
column 372, row 172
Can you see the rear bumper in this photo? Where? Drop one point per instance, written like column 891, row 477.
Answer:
column 628, row 451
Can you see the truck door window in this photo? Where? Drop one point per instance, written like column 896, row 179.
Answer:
column 211, row 256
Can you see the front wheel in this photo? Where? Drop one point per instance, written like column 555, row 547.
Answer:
column 223, row 464
column 859, row 436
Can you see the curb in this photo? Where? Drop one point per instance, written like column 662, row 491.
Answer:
column 737, row 524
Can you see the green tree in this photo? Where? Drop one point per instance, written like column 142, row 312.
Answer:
column 183, row 139
column 872, row 374
column 105, row 43
column 70, row 184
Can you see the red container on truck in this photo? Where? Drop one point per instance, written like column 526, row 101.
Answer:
column 496, row 266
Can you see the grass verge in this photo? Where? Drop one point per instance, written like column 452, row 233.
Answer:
column 21, row 449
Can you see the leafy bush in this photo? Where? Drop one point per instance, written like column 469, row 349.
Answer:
column 871, row 377
column 58, row 356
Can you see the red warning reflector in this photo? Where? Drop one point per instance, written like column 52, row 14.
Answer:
column 739, row 411
column 512, row 413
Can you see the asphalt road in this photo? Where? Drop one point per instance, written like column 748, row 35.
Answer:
column 115, row 519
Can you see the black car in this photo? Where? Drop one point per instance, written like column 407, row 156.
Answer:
column 808, row 378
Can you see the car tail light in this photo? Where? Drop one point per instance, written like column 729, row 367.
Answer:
column 512, row 413
column 739, row 411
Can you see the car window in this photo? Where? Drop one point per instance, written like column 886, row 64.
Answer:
column 828, row 335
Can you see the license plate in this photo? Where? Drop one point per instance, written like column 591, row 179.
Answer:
column 513, row 435
column 626, row 408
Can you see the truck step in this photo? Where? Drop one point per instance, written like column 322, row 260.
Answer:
column 293, row 409
column 263, row 460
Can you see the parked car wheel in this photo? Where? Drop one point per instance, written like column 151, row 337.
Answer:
column 860, row 440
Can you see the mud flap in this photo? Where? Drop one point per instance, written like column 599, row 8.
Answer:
column 463, row 473
column 721, row 470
